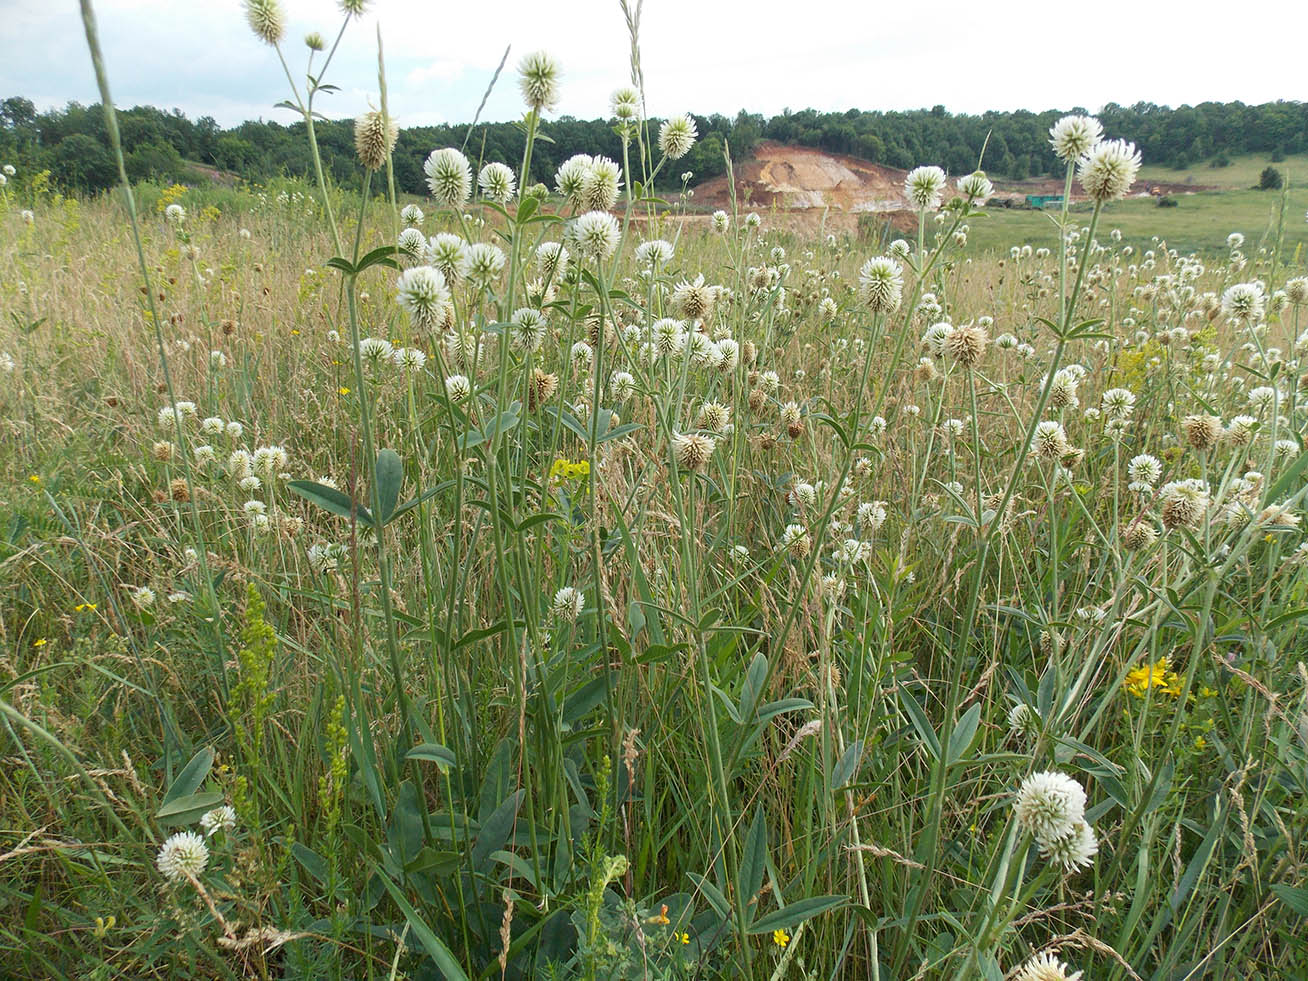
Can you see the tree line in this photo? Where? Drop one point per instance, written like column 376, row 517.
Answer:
column 160, row 145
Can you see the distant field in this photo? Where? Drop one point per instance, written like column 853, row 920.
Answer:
column 1199, row 223
column 1243, row 171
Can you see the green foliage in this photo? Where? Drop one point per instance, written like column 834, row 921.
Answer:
column 1270, row 179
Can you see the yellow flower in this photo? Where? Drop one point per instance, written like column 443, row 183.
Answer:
column 39, row 642
column 295, row 332
column 682, row 938
column 35, row 478
column 1139, row 680
column 780, row 938
column 343, row 390
column 661, row 917
column 84, row 607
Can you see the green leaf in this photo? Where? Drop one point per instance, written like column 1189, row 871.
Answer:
column 496, row 830
column 713, row 894
column 921, row 723
column 313, row 863
column 964, row 734
column 330, row 499
column 796, row 913
column 526, row 208
column 377, row 257
column 753, row 864
column 1295, row 897
column 439, row 953
column 390, row 475
column 184, row 810
column 192, row 776
column 847, row 764
column 344, row 265
column 442, row 756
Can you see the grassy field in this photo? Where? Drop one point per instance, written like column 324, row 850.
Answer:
column 489, row 590
column 1199, row 223
column 1242, row 173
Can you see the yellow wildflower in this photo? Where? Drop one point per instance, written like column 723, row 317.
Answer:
column 343, row 390
column 39, row 642
column 682, row 938
column 780, row 938
column 1139, row 680
column 84, row 607
column 661, row 917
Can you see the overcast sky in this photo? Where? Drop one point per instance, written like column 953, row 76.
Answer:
column 704, row 56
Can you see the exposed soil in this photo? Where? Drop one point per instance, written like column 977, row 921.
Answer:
column 830, row 189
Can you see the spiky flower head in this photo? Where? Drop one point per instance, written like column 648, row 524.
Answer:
column 1074, row 850
column 721, row 222
column 1073, row 136
column 568, row 604
column 1108, row 170
column 1118, row 403
column 551, row 259
column 1202, row 431
column 714, row 416
column 182, row 856
column 1139, row 535
column 924, row 186
column 353, row 8
column 881, row 284
column 458, row 388
column 976, row 187
column 1024, row 720
column 692, row 299
column 541, row 388
column 527, row 329
column 497, row 183
column 1246, row 302
column 1144, row 470
column 315, row 41
column 1296, row 290
column 570, row 178
column 966, row 344
column 596, row 234
column 538, row 78
column 677, row 136
column 692, row 450
column 219, row 819
column 411, row 243
column 1183, row 503
column 448, row 253
column 485, row 263
column 411, row 215
column 600, row 184
column 266, row 19
column 1046, row 967
column 423, row 294
column 449, row 176
column 1049, row 805
column 654, row 253
column 625, row 104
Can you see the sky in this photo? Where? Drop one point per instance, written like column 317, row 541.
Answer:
column 701, row 56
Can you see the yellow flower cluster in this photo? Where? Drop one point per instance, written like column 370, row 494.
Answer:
column 169, row 196
column 1159, row 676
column 567, row 470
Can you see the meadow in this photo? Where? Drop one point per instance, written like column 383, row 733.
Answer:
column 520, row 583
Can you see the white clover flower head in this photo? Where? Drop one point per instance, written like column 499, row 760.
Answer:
column 448, row 253
column 1049, row 805
column 570, row 178
column 624, row 104
column 485, row 263
column 1073, row 851
column 1246, row 302
column 422, row 293
column 600, row 185
column 936, row 338
column 596, row 234
column 9, row 170
column 654, row 253
column 1183, row 503
column 142, row 596
column 538, row 79
column 175, row 214
column 1024, row 720
column 449, row 176
column 621, row 385
column 552, row 259
column 676, row 136
column 182, row 856
column 458, row 388
column 1073, row 136
column 411, row 243
column 568, row 604
column 721, row 221
column 409, row 359
column 976, row 187
column 211, row 426
column 1045, row 967
column 1108, row 170
column 266, row 19
column 353, row 8
column 527, row 329
column 692, row 450
column 924, row 187
column 221, row 818
column 374, row 139
column 1144, row 470
column 1118, row 403
column 753, row 221
column 411, row 215
column 497, row 183
column 881, row 284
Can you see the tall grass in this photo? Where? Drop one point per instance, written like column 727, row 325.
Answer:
column 527, row 682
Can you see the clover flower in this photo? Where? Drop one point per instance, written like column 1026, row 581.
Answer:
column 1073, row 136
column 1108, row 170
column 924, row 187
column 538, row 79
column 676, row 136
column 449, row 176
column 182, row 856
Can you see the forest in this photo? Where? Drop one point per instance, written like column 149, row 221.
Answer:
column 165, row 146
